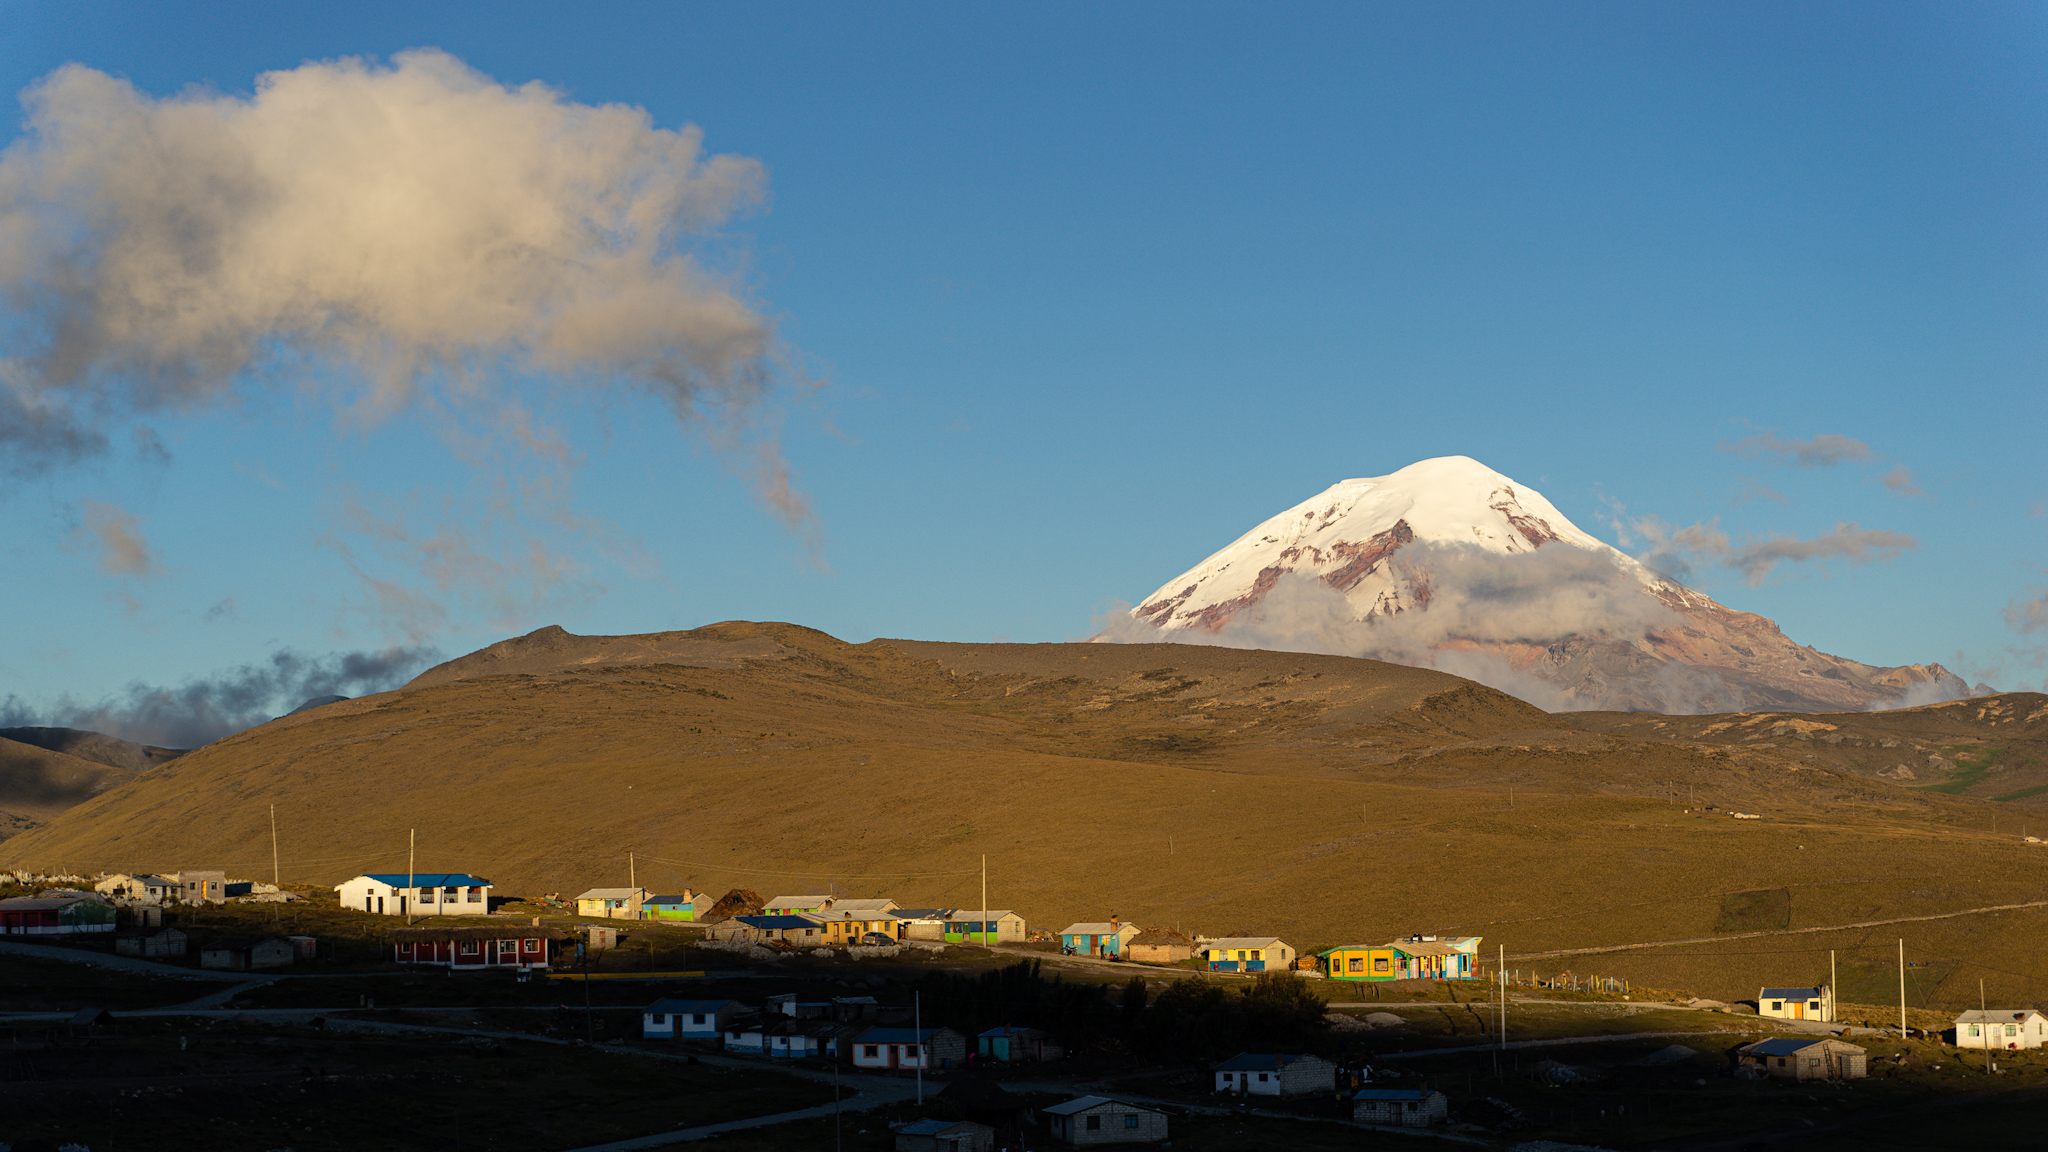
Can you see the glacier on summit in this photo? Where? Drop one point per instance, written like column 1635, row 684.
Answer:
column 1450, row 565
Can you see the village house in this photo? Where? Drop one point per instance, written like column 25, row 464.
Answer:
column 681, row 906
column 1399, row 1107
column 68, row 915
column 417, row 894
column 1097, row 937
column 151, row 943
column 612, row 903
column 687, row 1019
column 1797, row 1003
column 141, row 889
column 793, row 905
column 478, row 948
column 1360, row 962
column 1161, row 946
column 1275, row 1074
column 246, row 954
column 2007, row 1028
column 984, row 926
column 909, row 1048
column 1015, row 1045
column 855, row 1008
column 1248, row 954
column 1090, row 1120
column 198, row 886
column 780, row 1037
column 1805, row 1058
column 843, row 926
column 945, row 1136
column 878, row 906
column 797, row 931
column 1436, row 957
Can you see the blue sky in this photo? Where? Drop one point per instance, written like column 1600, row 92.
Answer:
column 1067, row 299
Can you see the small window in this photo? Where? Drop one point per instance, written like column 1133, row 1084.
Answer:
column 1131, row 1120
column 1973, row 1030
column 532, row 945
column 406, row 947
column 1382, row 964
column 2012, row 1029
column 698, row 1018
column 1357, row 965
column 660, row 1019
column 469, row 948
column 476, row 895
column 1777, row 1005
column 1262, row 1077
column 873, row 1050
column 1094, row 1123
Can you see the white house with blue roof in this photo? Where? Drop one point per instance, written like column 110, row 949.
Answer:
column 668, row 1019
column 417, row 894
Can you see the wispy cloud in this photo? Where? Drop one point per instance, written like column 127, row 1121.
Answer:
column 1676, row 552
column 1900, row 480
column 2028, row 615
column 1822, row 451
column 114, row 537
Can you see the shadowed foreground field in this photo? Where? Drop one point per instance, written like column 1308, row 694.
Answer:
column 1321, row 799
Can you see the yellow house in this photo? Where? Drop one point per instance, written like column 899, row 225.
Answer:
column 1360, row 962
column 612, row 903
column 842, row 928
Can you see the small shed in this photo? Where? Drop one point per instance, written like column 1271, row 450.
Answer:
column 1797, row 1003
column 1015, row 1045
column 305, row 947
column 2008, row 1028
column 1275, row 1074
column 1090, row 1120
column 1161, row 945
column 676, row 906
column 598, row 937
column 152, row 943
column 1805, row 1058
column 245, row 954
column 1399, row 1107
column 945, row 1136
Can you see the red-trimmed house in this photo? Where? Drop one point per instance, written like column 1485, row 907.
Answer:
column 510, row 946
column 909, row 1048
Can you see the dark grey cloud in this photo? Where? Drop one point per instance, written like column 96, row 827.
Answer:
column 204, row 710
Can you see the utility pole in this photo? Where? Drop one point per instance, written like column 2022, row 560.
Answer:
column 1985, row 1016
column 1502, row 965
column 411, row 877
column 1832, row 995
column 1902, row 989
column 917, row 1030
column 984, row 900
column 273, row 848
column 632, row 873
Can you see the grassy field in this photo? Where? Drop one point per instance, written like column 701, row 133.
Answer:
column 187, row 1085
column 1318, row 799
column 34, row 985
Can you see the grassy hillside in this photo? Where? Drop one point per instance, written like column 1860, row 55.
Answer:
column 1322, row 799
column 37, row 783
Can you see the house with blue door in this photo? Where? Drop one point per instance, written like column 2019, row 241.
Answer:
column 686, row 1019
column 1098, row 938
column 983, row 926
column 1248, row 954
column 1436, row 957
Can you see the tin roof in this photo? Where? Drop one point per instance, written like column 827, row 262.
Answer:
column 690, row 1006
column 1995, row 1015
column 1260, row 1061
column 777, row 921
column 1090, row 928
column 1246, row 942
column 799, row 902
column 1790, row 1045
column 426, row 879
column 680, row 898
column 1791, row 993
column 896, row 1035
column 612, row 894
column 1086, row 1103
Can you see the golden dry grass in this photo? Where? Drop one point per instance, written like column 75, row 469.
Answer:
column 1321, row 799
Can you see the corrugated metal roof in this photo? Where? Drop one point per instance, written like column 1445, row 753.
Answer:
column 1095, row 928
column 896, row 1036
column 1995, row 1015
column 1245, row 942
column 611, row 894
column 1084, row 1103
column 1790, row 994
column 689, row 1006
column 1260, row 1061
column 427, row 879
column 777, row 921
column 1788, row 1045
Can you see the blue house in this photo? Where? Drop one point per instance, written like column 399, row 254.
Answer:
column 682, row 906
column 686, row 1019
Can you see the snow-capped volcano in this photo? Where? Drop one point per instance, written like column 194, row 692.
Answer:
column 1450, row 564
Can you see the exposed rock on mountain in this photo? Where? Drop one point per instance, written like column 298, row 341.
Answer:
column 1449, row 564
